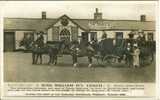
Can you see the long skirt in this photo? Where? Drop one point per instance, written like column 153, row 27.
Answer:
column 136, row 60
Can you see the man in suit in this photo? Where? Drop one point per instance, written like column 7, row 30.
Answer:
column 75, row 49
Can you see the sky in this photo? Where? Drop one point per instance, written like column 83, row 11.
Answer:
column 83, row 10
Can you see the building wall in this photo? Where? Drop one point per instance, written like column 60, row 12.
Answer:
column 154, row 34
column 112, row 34
column 79, row 34
column 19, row 36
column 68, row 27
column 69, row 24
column 59, row 27
column 49, row 34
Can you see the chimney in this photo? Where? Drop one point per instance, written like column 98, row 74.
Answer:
column 143, row 18
column 96, row 10
column 97, row 15
column 43, row 15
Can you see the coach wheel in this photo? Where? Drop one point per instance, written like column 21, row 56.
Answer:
column 108, row 60
column 100, row 61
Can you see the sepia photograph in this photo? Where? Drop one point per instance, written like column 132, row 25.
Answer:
column 79, row 42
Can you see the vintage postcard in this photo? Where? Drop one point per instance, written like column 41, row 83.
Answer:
column 79, row 49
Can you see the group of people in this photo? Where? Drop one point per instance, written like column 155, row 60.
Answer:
column 129, row 49
column 133, row 55
column 133, row 58
column 132, row 48
column 106, row 46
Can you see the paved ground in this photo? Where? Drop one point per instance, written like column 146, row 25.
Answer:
column 18, row 68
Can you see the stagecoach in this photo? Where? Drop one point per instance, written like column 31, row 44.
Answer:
column 116, row 54
column 105, row 52
column 109, row 53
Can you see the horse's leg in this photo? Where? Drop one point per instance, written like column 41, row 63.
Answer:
column 33, row 58
column 74, row 57
column 36, row 58
column 55, row 62
column 50, row 58
column 90, row 61
column 40, row 55
column 141, row 60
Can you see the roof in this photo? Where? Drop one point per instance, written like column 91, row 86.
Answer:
column 27, row 23
column 85, row 24
column 116, row 24
column 72, row 20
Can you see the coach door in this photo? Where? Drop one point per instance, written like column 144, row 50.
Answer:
column 9, row 41
column 119, row 38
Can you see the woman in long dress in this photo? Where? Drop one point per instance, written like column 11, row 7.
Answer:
column 136, row 54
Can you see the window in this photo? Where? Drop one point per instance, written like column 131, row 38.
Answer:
column 119, row 38
column 27, row 40
column 65, row 35
column 29, row 36
column 93, row 36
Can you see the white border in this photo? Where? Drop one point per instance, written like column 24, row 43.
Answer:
column 157, row 51
column 4, row 3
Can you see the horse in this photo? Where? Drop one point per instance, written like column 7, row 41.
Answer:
column 51, row 51
column 76, row 50
column 147, row 52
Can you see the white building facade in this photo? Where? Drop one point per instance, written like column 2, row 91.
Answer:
column 66, row 28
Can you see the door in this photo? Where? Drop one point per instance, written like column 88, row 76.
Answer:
column 85, row 36
column 84, row 39
column 9, row 41
column 119, row 38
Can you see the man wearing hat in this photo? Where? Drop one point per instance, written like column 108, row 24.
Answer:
column 141, row 38
column 129, row 58
column 74, row 51
column 136, row 53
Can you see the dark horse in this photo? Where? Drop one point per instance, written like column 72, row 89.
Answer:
column 51, row 49
column 77, row 50
column 147, row 51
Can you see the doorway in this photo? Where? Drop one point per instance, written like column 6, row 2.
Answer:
column 9, row 41
column 85, row 36
column 84, row 39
